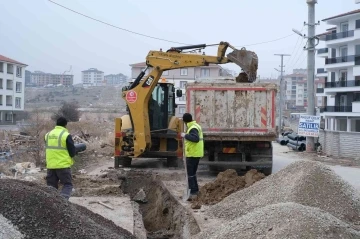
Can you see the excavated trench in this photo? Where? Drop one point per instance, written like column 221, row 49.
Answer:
column 157, row 213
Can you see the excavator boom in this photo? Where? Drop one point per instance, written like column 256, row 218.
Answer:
column 138, row 94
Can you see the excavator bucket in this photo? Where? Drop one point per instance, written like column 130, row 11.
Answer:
column 248, row 61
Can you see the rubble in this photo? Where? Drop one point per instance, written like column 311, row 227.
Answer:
column 226, row 183
column 8, row 230
column 283, row 221
column 39, row 212
column 305, row 182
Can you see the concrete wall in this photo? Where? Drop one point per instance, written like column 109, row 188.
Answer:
column 340, row 144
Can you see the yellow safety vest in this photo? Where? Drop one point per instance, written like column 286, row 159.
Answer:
column 57, row 155
column 193, row 149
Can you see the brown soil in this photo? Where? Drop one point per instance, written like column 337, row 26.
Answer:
column 226, row 183
column 39, row 212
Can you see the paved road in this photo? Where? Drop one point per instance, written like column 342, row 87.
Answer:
column 281, row 160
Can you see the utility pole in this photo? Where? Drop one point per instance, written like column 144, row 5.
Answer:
column 281, row 90
column 310, row 142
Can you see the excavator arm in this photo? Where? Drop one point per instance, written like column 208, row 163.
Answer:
column 138, row 94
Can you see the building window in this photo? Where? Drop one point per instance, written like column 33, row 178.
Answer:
column 357, row 24
column 184, row 72
column 18, row 71
column 165, row 73
column 205, row 72
column 18, row 102
column 1, row 67
column 9, row 85
column 1, row 101
column 183, row 84
column 183, row 97
column 181, row 110
column 8, row 117
column 300, row 96
column 18, row 87
column 293, row 87
column 1, row 83
column 10, row 69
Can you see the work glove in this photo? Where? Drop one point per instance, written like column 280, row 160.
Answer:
column 183, row 135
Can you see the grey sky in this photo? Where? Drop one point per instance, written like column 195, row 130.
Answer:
column 50, row 38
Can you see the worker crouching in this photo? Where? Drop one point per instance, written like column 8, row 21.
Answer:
column 60, row 150
column 194, row 151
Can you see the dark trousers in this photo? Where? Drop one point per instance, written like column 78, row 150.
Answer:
column 64, row 176
column 191, row 167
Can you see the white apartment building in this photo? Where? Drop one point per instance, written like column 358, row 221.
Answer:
column 296, row 90
column 12, row 83
column 342, row 72
column 180, row 77
column 92, row 77
column 115, row 79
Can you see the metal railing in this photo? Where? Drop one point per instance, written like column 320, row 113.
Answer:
column 346, row 108
column 340, row 59
column 323, row 50
column 319, row 90
column 339, row 35
column 320, row 71
column 342, row 83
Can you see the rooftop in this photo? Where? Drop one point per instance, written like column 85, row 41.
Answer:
column 92, row 70
column 342, row 15
column 9, row 60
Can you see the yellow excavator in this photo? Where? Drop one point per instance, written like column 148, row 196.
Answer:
column 151, row 129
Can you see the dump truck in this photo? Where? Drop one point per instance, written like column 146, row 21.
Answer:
column 238, row 121
column 151, row 129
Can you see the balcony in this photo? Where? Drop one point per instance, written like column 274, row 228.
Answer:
column 339, row 35
column 342, row 83
column 347, row 108
column 321, row 72
column 340, row 59
column 323, row 52
column 319, row 90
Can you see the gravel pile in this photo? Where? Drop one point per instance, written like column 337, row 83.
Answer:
column 284, row 220
column 308, row 183
column 8, row 231
column 39, row 212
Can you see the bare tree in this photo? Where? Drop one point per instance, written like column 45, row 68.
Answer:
column 69, row 110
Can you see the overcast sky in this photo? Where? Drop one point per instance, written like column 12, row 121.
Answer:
column 51, row 39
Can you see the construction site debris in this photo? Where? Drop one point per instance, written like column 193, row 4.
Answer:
column 226, row 183
column 8, row 230
column 39, row 212
column 140, row 197
column 102, row 204
column 305, row 182
column 283, row 220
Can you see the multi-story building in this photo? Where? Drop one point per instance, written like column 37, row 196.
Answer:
column 118, row 79
column 180, row 77
column 39, row 78
column 92, row 77
column 27, row 78
column 12, row 82
column 341, row 91
column 296, row 90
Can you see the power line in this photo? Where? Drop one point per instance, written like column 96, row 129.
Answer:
column 300, row 55
column 148, row 36
column 120, row 28
column 297, row 41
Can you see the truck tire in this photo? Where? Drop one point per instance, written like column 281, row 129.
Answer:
column 267, row 171
column 123, row 161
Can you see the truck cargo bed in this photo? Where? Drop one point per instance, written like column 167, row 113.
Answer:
column 230, row 110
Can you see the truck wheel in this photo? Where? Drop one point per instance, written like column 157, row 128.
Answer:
column 175, row 162
column 267, row 171
column 123, row 161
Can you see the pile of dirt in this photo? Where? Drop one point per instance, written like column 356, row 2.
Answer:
column 226, row 183
column 304, row 182
column 39, row 212
column 284, row 220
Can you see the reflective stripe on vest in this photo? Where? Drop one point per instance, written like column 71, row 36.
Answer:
column 59, row 142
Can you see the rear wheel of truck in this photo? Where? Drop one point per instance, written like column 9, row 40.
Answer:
column 267, row 171
column 123, row 161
